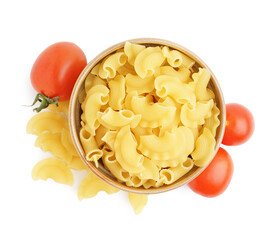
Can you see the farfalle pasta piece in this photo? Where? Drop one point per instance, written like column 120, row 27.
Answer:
column 114, row 120
column 147, row 61
column 171, row 175
column 202, row 79
column 166, row 85
column 46, row 121
column 153, row 114
column 213, row 122
column 174, row 143
column 138, row 201
column 117, row 92
column 51, row 142
column 204, row 148
column 111, row 64
column 192, row 116
column 132, row 50
column 125, row 151
column 55, row 169
column 183, row 73
column 136, row 83
column 91, row 185
column 91, row 149
column 96, row 98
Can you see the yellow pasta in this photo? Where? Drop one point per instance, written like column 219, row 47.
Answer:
column 55, row 169
column 132, row 50
column 183, row 74
column 213, row 122
column 204, row 148
column 138, row 201
column 117, row 92
column 92, row 185
column 136, row 83
column 148, row 60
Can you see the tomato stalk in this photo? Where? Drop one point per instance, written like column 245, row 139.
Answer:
column 44, row 101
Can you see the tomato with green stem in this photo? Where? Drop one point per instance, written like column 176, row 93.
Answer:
column 214, row 180
column 55, row 72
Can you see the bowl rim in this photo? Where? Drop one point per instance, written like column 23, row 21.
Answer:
column 75, row 135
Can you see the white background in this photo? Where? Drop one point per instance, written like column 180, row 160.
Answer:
column 235, row 38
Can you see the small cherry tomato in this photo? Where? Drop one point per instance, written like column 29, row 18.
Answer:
column 214, row 180
column 56, row 70
column 239, row 124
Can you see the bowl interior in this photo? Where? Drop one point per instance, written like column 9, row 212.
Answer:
column 75, row 113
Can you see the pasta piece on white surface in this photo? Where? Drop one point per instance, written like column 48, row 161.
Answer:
column 138, row 201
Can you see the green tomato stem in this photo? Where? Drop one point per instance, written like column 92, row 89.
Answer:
column 44, row 101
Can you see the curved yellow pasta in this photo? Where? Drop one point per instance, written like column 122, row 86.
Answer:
column 114, row 120
column 138, row 201
column 151, row 171
column 91, row 185
column 171, row 175
column 117, row 92
column 100, row 132
column 178, row 142
column 213, row 122
column 95, row 70
column 91, row 81
column 183, row 74
column 132, row 50
column 111, row 64
column 135, row 181
column 202, row 79
column 109, row 139
column 126, row 69
column 204, row 148
column 147, row 60
column 55, row 169
column 48, row 121
column 170, row 162
column 51, row 142
column 66, row 141
column 63, row 107
column 153, row 114
column 77, row 164
column 136, row 83
column 114, row 167
column 91, row 149
column 97, row 97
column 125, row 151
column 192, row 116
column 166, row 85
column 174, row 57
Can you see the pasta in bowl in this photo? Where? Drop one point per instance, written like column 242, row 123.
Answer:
column 147, row 116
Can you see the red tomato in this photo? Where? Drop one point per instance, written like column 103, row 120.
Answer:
column 216, row 177
column 56, row 70
column 239, row 124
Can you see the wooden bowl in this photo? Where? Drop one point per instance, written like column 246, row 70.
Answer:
column 75, row 113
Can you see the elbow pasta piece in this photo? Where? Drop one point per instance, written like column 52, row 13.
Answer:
column 204, row 148
column 135, row 181
column 213, row 122
column 66, row 141
column 170, row 162
column 115, row 120
column 138, row 201
column 153, row 114
column 95, row 70
column 91, row 81
column 147, row 61
column 192, row 116
column 114, row 167
column 178, row 142
column 151, row 171
column 173, row 57
column 46, row 121
column 111, row 64
column 55, row 169
column 100, row 132
column 202, row 79
column 183, row 74
column 77, row 164
column 136, row 83
column 126, row 69
column 97, row 97
column 132, row 50
column 117, row 92
column 91, row 185
column 125, row 151
column 166, row 85
column 51, row 142
column 91, row 149
column 109, row 139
